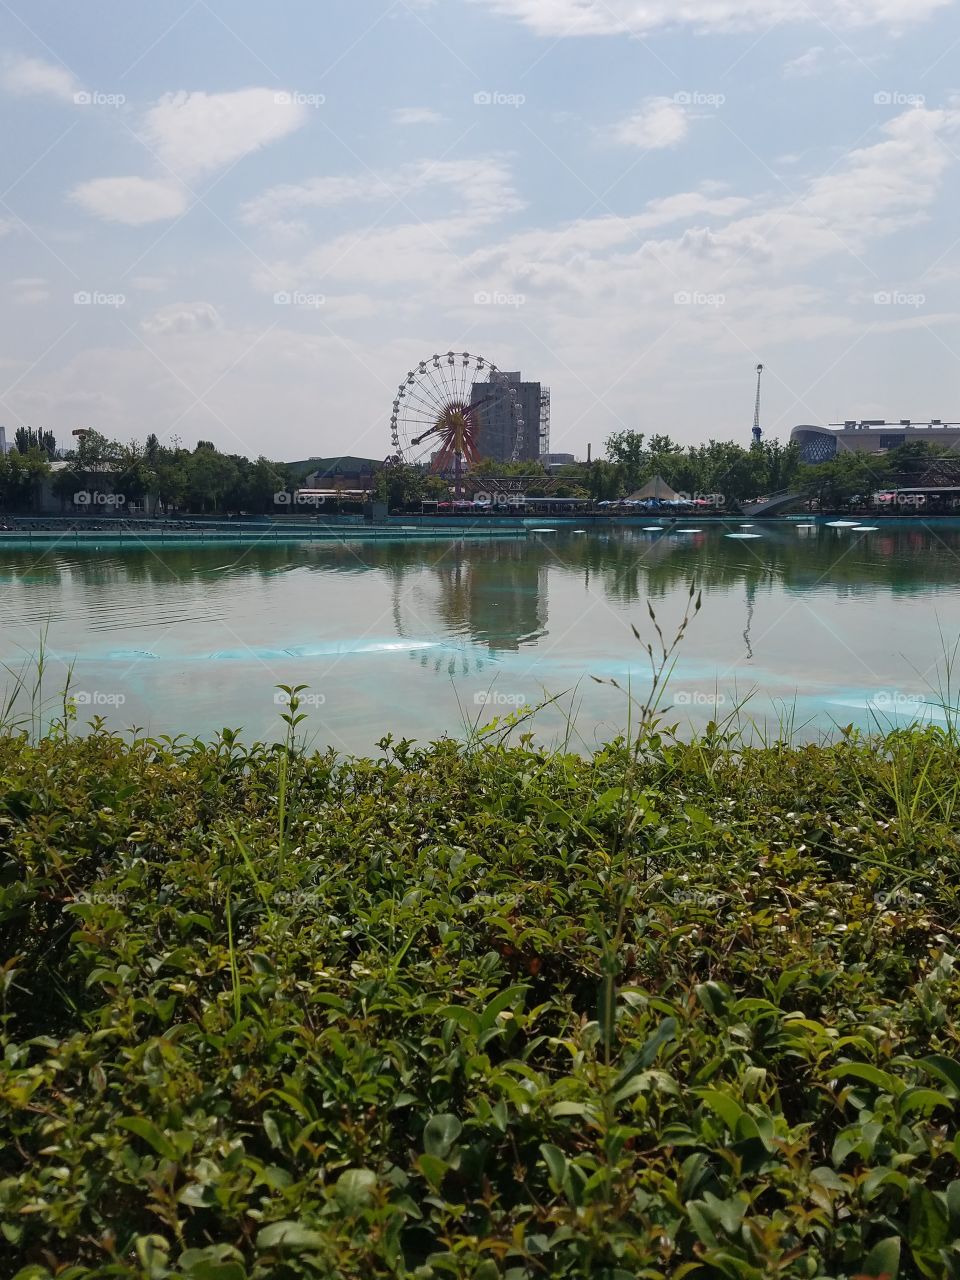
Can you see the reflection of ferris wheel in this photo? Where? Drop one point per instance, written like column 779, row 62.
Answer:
column 437, row 414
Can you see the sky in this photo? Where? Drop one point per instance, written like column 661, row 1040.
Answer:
column 245, row 223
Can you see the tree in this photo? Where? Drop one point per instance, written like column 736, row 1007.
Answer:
column 845, row 476
column 720, row 467
column 21, row 475
column 136, row 482
column 400, row 486
column 604, row 481
column 95, row 453
column 171, row 478
column 783, row 465
column 210, row 476
column 490, row 467
column 660, row 448
column 625, row 449
column 262, row 482
column 25, row 439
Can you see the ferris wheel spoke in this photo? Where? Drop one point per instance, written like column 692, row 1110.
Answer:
column 423, row 458
column 415, row 391
column 451, row 395
column 462, row 381
column 451, row 381
column 416, row 454
column 440, row 391
column 453, row 377
column 472, row 372
column 456, row 377
column 421, row 422
column 424, row 435
column 445, row 454
column 433, row 387
column 418, row 425
column 420, row 393
column 428, row 408
column 436, row 407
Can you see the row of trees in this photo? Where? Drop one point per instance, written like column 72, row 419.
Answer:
column 24, row 469
column 406, row 486
column 205, row 481
column 26, row 440
column 21, row 475
column 718, row 467
column 202, row 480
column 851, row 478
column 721, row 467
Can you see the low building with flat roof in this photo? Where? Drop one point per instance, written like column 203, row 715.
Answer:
column 342, row 472
column 820, row 444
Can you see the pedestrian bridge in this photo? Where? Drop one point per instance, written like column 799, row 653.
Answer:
column 770, row 506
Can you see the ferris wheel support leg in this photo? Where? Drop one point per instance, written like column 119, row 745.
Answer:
column 458, row 477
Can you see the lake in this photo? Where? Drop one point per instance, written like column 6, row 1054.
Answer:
column 824, row 626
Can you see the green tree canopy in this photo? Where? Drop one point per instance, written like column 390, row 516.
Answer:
column 26, row 438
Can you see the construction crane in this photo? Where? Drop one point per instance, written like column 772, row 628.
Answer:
column 757, row 433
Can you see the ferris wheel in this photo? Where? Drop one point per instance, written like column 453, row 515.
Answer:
column 437, row 413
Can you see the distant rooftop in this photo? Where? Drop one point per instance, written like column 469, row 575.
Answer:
column 345, row 464
column 866, row 424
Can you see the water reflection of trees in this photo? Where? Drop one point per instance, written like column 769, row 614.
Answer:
column 635, row 566
column 496, row 591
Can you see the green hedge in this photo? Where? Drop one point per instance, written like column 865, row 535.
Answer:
column 674, row 1010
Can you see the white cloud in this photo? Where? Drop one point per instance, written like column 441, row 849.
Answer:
column 181, row 318
column 818, row 61
column 320, row 193
column 194, row 133
column 806, row 64
column 754, row 249
column 782, row 266
column 191, row 133
column 149, row 284
column 410, row 254
column 135, row 201
column 588, row 239
column 890, row 184
column 32, row 77
column 486, row 182
column 416, row 115
column 558, row 18
column 30, row 290
column 662, row 122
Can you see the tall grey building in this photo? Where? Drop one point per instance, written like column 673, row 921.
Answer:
column 498, row 421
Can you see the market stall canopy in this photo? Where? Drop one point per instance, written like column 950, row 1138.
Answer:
column 656, row 488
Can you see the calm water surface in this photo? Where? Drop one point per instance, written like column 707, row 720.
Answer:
column 423, row 638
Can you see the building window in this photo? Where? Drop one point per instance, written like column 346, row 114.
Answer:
column 818, row 448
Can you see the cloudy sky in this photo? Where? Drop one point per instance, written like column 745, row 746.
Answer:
column 245, row 222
